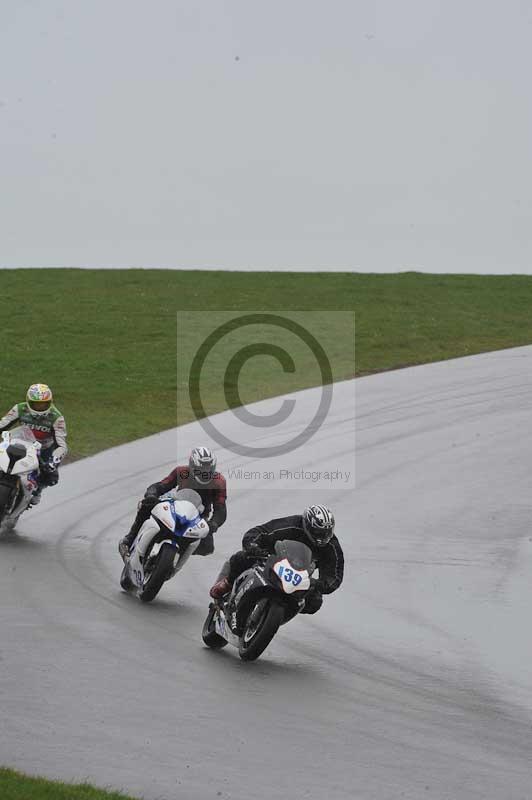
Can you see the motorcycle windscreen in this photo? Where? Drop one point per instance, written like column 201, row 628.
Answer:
column 188, row 495
column 22, row 434
column 297, row 553
column 192, row 497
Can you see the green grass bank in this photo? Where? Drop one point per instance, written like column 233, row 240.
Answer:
column 16, row 786
column 106, row 340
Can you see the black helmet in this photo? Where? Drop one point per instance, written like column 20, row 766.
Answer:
column 318, row 524
column 202, row 465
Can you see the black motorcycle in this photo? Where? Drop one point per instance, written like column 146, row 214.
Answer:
column 267, row 595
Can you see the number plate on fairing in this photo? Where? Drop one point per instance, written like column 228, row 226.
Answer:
column 293, row 580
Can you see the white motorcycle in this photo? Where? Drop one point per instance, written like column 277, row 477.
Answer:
column 164, row 543
column 19, row 472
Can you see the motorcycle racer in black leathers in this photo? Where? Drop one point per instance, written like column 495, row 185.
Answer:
column 315, row 528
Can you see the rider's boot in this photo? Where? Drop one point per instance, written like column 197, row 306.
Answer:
column 36, row 497
column 143, row 513
column 124, row 545
column 223, row 584
column 220, row 588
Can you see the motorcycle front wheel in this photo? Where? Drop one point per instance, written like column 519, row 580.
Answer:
column 158, row 575
column 261, row 626
column 6, row 493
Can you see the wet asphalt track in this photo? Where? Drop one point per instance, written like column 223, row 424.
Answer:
column 414, row 681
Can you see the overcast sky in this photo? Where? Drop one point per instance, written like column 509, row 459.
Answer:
column 350, row 134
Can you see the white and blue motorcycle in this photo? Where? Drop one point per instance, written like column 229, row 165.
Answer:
column 164, row 543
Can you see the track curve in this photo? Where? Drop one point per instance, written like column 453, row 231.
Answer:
column 414, row 680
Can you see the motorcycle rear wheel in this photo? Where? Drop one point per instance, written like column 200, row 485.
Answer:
column 209, row 636
column 261, row 626
column 125, row 581
column 160, row 573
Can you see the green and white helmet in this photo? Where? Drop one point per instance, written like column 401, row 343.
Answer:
column 39, row 398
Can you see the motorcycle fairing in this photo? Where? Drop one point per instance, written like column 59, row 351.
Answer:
column 182, row 518
column 18, row 471
column 223, row 629
column 17, row 438
column 291, row 579
column 248, row 588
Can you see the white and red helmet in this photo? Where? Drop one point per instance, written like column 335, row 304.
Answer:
column 39, row 398
column 202, row 465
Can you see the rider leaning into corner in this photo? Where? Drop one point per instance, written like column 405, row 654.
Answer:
column 46, row 422
column 200, row 475
column 315, row 528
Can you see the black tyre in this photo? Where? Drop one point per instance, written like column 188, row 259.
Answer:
column 209, row 635
column 6, row 495
column 160, row 573
column 261, row 626
column 125, row 581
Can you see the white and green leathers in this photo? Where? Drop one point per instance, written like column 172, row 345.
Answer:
column 49, row 428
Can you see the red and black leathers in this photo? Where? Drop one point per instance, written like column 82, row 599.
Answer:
column 213, row 496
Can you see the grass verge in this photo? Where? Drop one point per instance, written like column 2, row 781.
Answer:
column 106, row 340
column 16, row 786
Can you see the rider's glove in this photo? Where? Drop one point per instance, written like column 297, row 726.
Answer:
column 50, row 475
column 213, row 526
column 48, row 467
column 254, row 550
column 313, row 600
